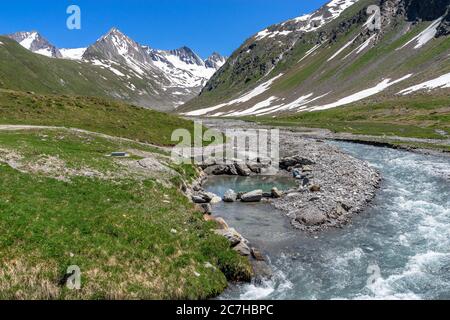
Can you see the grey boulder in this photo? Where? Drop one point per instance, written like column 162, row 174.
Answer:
column 230, row 196
column 254, row 196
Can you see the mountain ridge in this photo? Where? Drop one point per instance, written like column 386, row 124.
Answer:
column 337, row 63
column 159, row 79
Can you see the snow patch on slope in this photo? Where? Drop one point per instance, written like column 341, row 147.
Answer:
column 438, row 83
column 28, row 40
column 73, row 54
column 107, row 65
column 362, row 47
column 246, row 97
column 309, row 52
column 266, row 33
column 45, row 52
column 425, row 36
column 362, row 94
column 313, row 21
column 348, row 44
column 255, row 108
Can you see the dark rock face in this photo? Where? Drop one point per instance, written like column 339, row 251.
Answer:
column 444, row 27
column 188, row 56
column 425, row 10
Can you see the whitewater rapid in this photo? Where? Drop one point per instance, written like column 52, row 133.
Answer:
column 399, row 248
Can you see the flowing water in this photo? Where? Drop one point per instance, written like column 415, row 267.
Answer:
column 399, row 248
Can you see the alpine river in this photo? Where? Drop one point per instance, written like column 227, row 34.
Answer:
column 399, row 248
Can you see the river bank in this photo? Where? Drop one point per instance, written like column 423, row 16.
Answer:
column 395, row 234
column 318, row 188
column 331, row 185
column 398, row 248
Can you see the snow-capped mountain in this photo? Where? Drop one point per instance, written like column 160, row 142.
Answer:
column 330, row 58
column 160, row 79
column 175, row 75
column 36, row 43
column 215, row 61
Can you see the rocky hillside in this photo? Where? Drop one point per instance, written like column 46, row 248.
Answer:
column 332, row 58
column 160, row 79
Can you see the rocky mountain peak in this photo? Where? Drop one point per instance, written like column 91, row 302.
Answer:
column 216, row 60
column 188, row 56
column 35, row 42
column 116, row 46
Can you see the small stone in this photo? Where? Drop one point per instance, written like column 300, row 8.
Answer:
column 232, row 171
column 267, row 195
column 198, row 199
column 231, row 235
column 230, row 196
column 257, row 255
column 255, row 167
column 219, row 170
column 242, row 169
column 222, row 223
column 242, row 249
column 216, row 200
column 314, row 188
column 276, row 193
column 206, row 208
column 296, row 173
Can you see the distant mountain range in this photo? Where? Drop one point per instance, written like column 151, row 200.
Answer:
column 331, row 58
column 159, row 79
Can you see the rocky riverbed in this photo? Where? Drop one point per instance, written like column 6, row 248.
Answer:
column 332, row 185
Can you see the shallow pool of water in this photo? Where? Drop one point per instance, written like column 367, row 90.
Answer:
column 397, row 249
column 220, row 184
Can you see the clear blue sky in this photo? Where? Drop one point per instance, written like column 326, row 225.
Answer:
column 203, row 25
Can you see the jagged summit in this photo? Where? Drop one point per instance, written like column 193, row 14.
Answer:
column 35, row 42
column 116, row 46
column 216, row 61
column 188, row 56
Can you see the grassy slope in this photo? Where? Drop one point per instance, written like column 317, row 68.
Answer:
column 243, row 71
column 117, row 231
column 93, row 114
column 23, row 70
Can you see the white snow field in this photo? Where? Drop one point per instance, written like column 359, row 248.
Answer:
column 438, row 83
